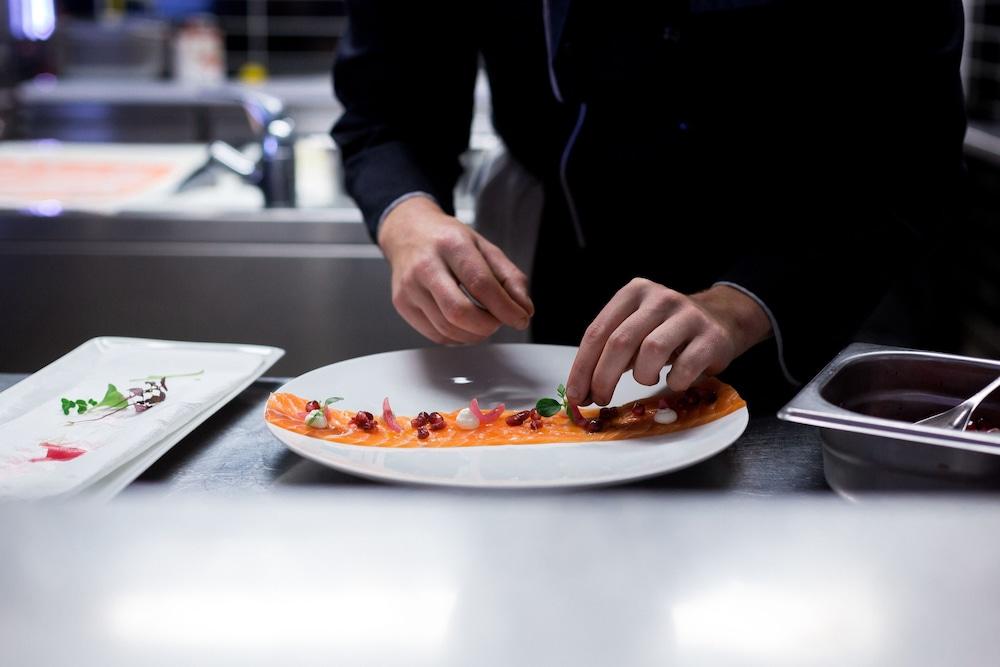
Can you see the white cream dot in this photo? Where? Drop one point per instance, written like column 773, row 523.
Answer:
column 466, row 420
column 665, row 416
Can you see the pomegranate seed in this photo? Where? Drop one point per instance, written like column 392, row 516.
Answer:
column 662, row 404
column 312, row 405
column 638, row 409
column 518, row 418
column 420, row 420
column 709, row 396
column 535, row 415
column 423, row 433
column 609, row 413
column 593, row 426
column 689, row 399
column 365, row 421
column 536, row 424
column 436, row 421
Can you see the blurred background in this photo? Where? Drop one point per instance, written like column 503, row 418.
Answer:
column 166, row 171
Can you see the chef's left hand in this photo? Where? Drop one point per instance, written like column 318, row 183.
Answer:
column 646, row 324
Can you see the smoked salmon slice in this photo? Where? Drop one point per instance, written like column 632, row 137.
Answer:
column 711, row 399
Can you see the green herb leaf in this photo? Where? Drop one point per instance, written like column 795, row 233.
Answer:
column 112, row 398
column 561, row 390
column 67, row 405
column 548, row 406
column 92, row 401
column 332, row 399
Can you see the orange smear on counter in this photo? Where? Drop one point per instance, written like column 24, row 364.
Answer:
column 283, row 411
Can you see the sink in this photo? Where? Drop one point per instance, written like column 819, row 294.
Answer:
column 116, row 125
column 108, row 118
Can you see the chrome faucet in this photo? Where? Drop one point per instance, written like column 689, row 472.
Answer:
column 274, row 171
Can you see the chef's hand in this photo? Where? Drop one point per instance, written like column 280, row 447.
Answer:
column 431, row 254
column 646, row 325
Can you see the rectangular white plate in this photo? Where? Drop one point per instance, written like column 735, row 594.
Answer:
column 108, row 359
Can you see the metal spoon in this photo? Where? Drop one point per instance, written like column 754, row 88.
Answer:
column 958, row 417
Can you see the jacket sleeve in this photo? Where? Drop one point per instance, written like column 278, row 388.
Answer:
column 852, row 201
column 405, row 74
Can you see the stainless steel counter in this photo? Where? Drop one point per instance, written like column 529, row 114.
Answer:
column 390, row 576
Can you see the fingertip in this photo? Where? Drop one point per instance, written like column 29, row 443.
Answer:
column 677, row 382
column 526, row 302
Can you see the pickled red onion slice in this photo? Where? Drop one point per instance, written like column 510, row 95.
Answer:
column 389, row 418
column 486, row 417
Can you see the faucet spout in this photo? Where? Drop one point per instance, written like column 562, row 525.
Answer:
column 274, row 171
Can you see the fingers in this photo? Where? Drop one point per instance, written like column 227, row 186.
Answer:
column 416, row 319
column 428, row 285
column 658, row 347
column 457, row 309
column 643, row 327
column 472, row 270
column 429, row 275
column 618, row 353
column 692, row 362
column 441, row 321
column 622, row 304
column 511, row 278
column 709, row 352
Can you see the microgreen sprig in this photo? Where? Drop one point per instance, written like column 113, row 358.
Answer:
column 548, row 407
column 112, row 399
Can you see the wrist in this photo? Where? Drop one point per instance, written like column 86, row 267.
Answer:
column 402, row 218
column 742, row 316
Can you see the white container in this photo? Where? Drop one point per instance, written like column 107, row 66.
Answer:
column 199, row 53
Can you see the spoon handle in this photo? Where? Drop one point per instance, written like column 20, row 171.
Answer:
column 986, row 391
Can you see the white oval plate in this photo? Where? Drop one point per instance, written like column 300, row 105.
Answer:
column 445, row 379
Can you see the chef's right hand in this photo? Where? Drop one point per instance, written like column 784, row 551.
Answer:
column 431, row 253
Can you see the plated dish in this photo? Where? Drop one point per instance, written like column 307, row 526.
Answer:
column 491, row 428
column 92, row 421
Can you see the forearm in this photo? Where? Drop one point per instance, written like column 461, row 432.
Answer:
column 404, row 74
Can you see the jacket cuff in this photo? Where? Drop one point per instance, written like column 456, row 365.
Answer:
column 382, row 177
column 775, row 328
